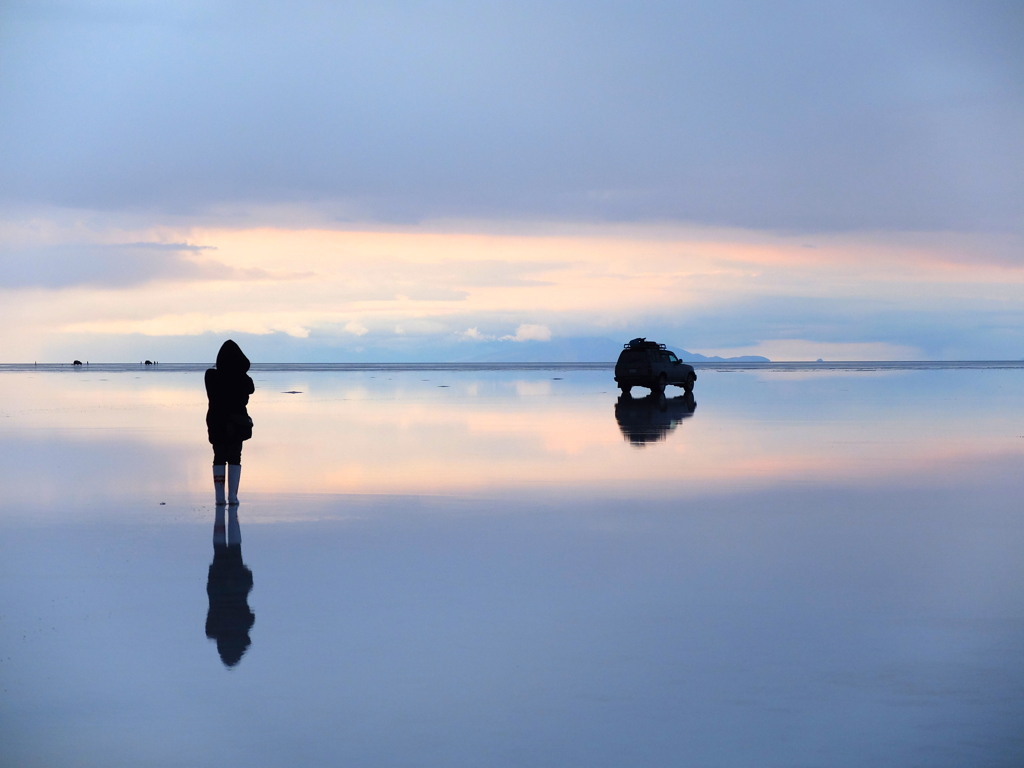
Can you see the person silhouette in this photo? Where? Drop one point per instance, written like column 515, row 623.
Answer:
column 228, row 584
column 228, row 387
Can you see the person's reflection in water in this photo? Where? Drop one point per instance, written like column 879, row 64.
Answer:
column 228, row 585
column 649, row 419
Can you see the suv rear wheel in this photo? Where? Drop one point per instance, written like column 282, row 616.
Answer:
column 661, row 383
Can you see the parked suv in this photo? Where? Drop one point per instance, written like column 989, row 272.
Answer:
column 644, row 363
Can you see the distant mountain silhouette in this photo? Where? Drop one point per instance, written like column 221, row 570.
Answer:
column 696, row 357
column 557, row 350
column 322, row 348
column 569, row 350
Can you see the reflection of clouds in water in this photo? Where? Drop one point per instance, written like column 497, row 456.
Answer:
column 228, row 584
column 827, row 373
column 533, row 388
column 65, row 434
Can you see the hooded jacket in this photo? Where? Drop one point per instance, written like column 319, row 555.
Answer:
column 228, row 387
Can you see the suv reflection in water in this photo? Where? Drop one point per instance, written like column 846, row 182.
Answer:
column 228, row 585
column 649, row 419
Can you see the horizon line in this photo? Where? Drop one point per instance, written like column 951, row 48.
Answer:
column 508, row 363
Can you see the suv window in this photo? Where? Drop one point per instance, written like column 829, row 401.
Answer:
column 672, row 358
column 633, row 357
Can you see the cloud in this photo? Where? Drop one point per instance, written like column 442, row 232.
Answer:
column 810, row 116
column 528, row 332
column 195, row 324
column 430, row 293
column 691, row 291
column 113, row 266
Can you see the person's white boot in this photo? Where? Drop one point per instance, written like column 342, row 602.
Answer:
column 218, row 482
column 234, row 475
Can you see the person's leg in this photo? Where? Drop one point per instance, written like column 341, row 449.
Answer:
column 234, row 459
column 219, row 460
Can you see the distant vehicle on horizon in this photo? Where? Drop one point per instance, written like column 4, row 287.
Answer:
column 644, row 363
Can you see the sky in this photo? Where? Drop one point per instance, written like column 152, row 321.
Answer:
column 355, row 181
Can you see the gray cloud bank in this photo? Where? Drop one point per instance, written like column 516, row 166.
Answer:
column 807, row 116
column 957, row 332
column 108, row 265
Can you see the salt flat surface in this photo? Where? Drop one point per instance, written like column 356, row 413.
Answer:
column 810, row 565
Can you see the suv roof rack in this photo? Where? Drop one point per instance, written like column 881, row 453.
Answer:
column 642, row 343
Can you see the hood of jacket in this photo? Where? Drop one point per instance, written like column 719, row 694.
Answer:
column 231, row 359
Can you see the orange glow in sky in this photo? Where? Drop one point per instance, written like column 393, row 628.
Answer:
column 370, row 285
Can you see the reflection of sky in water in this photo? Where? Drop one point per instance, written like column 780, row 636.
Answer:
column 809, row 570
column 456, row 432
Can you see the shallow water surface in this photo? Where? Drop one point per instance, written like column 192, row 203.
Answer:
column 455, row 567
